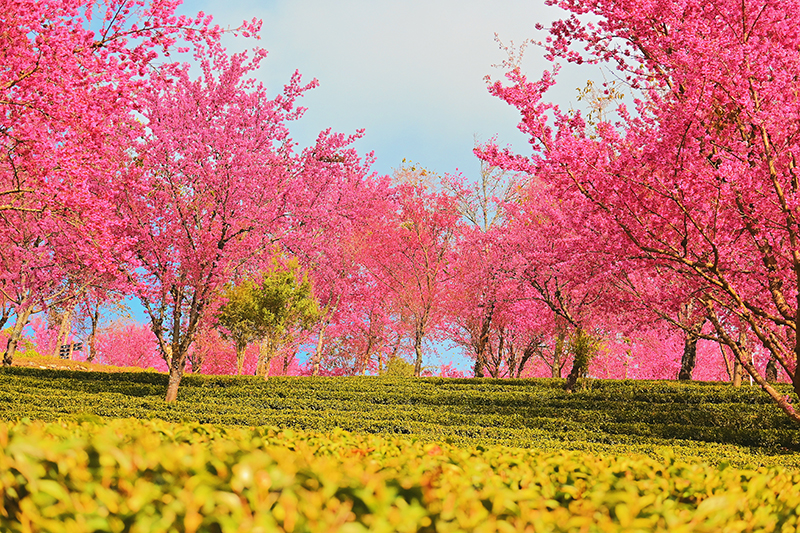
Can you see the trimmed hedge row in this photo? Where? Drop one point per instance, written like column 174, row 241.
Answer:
column 153, row 476
column 519, row 413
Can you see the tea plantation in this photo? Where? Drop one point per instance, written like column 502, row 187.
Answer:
column 90, row 451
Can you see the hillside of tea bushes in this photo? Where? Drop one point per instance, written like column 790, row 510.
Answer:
column 91, row 452
column 710, row 420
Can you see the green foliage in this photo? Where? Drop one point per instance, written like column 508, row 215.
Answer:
column 151, row 476
column 268, row 309
column 238, row 318
column 398, row 367
column 277, row 301
column 714, row 422
column 584, row 347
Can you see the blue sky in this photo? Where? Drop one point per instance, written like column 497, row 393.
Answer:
column 410, row 72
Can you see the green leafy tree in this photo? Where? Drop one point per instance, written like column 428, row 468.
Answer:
column 398, row 367
column 584, row 347
column 237, row 318
column 269, row 309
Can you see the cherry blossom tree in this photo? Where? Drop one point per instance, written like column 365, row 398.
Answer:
column 126, row 342
column 71, row 72
column 566, row 275
column 409, row 255
column 220, row 183
column 482, row 290
column 331, row 256
column 700, row 177
column 208, row 170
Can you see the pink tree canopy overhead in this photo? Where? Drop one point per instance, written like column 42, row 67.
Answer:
column 700, row 178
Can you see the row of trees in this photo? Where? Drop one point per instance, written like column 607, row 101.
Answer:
column 125, row 174
column 693, row 190
column 437, row 260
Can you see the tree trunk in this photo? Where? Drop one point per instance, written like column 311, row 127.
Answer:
column 511, row 360
column 572, row 378
column 265, row 355
column 418, row 352
column 92, row 341
column 4, row 316
column 737, row 373
column 16, row 335
column 177, row 365
column 796, row 376
column 483, row 340
column 168, row 356
column 241, row 349
column 772, row 370
column 478, row 369
column 728, row 362
column 316, row 361
column 526, row 356
column 494, row 363
column 173, row 384
column 738, row 364
column 287, row 362
column 64, row 330
column 497, row 358
column 555, row 371
column 689, row 359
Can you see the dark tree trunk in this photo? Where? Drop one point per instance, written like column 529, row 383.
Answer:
column 737, row 373
column 93, row 335
column 530, row 349
column 316, row 360
column 287, row 362
column 796, row 376
column 689, row 359
column 483, row 340
column 772, row 370
column 574, row 374
column 583, row 351
column 479, row 364
column 418, row 352
column 738, row 365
